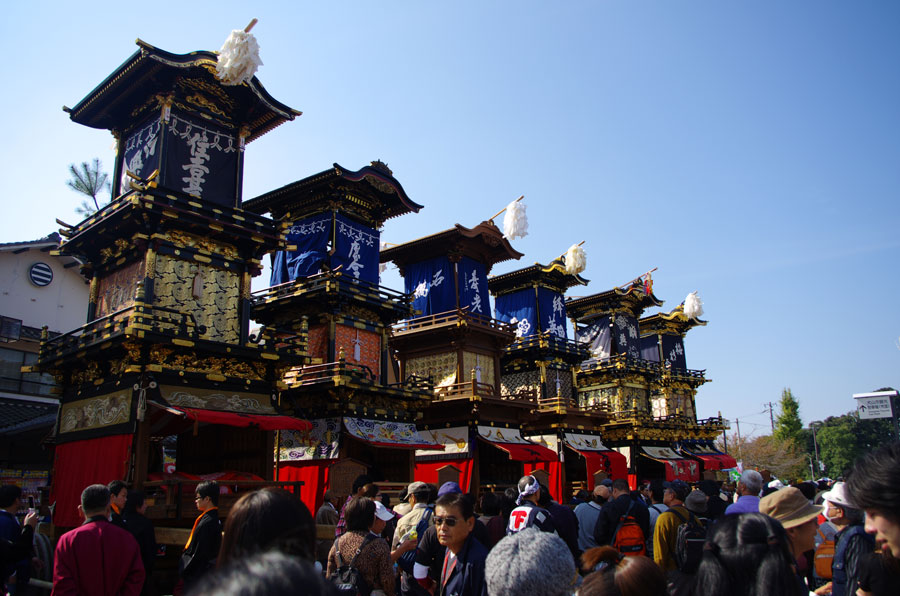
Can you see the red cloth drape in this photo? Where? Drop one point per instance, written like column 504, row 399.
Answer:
column 553, row 468
column 427, row 471
column 611, row 462
column 527, row 452
column 726, row 460
column 710, row 462
column 314, row 475
column 242, row 420
column 79, row 464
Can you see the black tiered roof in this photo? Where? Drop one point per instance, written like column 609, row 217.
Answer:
column 371, row 192
column 484, row 243
column 112, row 105
column 552, row 276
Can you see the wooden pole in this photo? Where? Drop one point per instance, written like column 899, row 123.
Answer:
column 499, row 213
column 251, row 25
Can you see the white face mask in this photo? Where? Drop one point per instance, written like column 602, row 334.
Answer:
column 827, row 510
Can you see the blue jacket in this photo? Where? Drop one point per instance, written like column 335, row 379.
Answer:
column 467, row 578
column 850, row 545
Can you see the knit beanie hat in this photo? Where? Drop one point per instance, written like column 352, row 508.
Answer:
column 530, row 562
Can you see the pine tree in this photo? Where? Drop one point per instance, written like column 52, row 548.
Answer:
column 90, row 181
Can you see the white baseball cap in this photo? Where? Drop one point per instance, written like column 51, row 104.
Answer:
column 382, row 512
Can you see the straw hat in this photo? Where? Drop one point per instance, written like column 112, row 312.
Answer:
column 789, row 506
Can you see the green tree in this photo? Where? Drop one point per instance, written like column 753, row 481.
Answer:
column 786, row 460
column 842, row 439
column 788, row 426
column 91, row 181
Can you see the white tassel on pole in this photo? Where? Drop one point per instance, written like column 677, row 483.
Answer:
column 238, row 57
column 515, row 222
column 693, row 306
column 576, row 260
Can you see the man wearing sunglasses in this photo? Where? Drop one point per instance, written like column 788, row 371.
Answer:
column 462, row 572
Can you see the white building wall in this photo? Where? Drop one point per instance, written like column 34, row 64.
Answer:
column 61, row 305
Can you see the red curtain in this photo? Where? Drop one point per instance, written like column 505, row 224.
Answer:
column 427, row 471
column 709, row 462
column 553, row 468
column 79, row 464
column 527, row 452
column 242, row 420
column 727, row 461
column 314, row 475
column 612, row 462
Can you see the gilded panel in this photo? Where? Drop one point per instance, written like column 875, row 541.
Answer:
column 525, row 381
column 440, row 366
column 210, row 399
column 211, row 295
column 117, row 290
column 482, row 365
column 96, row 412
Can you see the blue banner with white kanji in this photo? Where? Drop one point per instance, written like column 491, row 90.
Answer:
column 626, row 336
column 518, row 309
column 473, row 288
column 597, row 337
column 430, row 284
column 311, row 237
column 673, row 351
column 552, row 307
column 356, row 249
column 650, row 348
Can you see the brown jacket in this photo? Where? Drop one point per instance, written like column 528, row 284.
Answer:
column 373, row 562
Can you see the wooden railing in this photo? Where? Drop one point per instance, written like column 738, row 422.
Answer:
column 321, row 282
column 173, row 499
column 452, row 317
column 458, row 390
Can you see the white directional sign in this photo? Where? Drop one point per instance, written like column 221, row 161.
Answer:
column 874, row 405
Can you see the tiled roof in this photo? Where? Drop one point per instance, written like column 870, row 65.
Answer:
column 18, row 415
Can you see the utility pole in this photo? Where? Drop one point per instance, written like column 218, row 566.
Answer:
column 772, row 417
column 740, row 443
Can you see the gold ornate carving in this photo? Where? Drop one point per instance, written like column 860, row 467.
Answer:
column 159, row 354
column 440, row 366
column 118, row 366
column 120, row 245
column 207, row 87
column 87, row 374
column 96, row 412
column 380, row 184
column 185, row 240
column 189, row 362
column 231, row 401
column 214, row 304
column 202, row 102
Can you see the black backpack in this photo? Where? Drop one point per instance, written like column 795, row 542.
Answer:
column 347, row 578
column 407, row 560
column 689, row 542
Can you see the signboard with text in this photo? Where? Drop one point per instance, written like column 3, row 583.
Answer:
column 874, row 405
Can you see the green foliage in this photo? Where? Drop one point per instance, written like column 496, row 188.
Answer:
column 842, row 439
column 88, row 180
column 788, row 426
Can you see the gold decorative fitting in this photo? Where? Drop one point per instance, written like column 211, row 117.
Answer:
column 202, row 102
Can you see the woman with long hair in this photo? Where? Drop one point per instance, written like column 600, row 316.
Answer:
column 748, row 555
column 268, row 519
column 616, row 575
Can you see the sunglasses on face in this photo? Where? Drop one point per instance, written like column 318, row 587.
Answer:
column 450, row 521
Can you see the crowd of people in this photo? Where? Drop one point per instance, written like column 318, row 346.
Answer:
column 666, row 538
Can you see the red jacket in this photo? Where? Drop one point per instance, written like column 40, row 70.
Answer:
column 99, row 559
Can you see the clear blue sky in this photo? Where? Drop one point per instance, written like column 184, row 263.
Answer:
column 749, row 150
